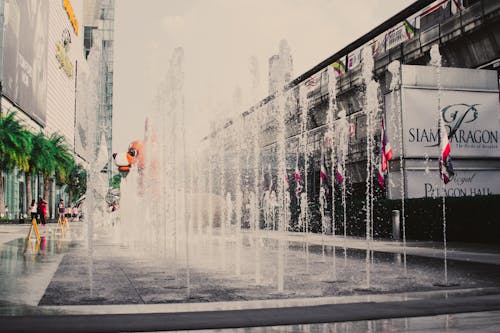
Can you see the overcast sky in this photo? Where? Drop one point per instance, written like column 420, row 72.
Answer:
column 219, row 37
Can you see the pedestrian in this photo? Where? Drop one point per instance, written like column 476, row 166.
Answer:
column 67, row 212
column 114, row 206
column 6, row 211
column 75, row 213
column 42, row 210
column 33, row 210
column 60, row 210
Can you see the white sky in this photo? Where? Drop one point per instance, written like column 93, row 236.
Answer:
column 219, row 37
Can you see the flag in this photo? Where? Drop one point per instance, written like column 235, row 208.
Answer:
column 299, row 183
column 385, row 155
column 264, row 183
column 323, row 176
column 409, row 29
column 381, row 177
column 287, row 183
column 339, row 67
column 312, row 82
column 445, row 167
column 339, row 173
column 386, row 148
column 271, row 182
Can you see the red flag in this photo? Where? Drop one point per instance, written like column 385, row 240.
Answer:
column 385, row 156
column 339, row 173
column 323, row 177
column 299, row 183
column 386, row 148
column 271, row 182
column 381, row 178
column 445, row 166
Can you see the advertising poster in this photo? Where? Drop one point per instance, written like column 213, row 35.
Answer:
column 471, row 119
column 467, row 101
column 25, row 56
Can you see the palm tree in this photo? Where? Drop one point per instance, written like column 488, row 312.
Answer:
column 63, row 158
column 61, row 161
column 51, row 155
column 31, row 166
column 14, row 148
column 41, row 160
column 76, row 181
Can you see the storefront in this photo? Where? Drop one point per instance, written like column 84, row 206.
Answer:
column 42, row 48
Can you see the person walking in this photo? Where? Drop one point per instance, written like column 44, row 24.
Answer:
column 33, row 210
column 60, row 210
column 42, row 210
column 75, row 213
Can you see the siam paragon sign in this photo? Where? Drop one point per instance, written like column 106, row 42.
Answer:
column 422, row 183
column 471, row 119
column 456, row 116
column 467, row 99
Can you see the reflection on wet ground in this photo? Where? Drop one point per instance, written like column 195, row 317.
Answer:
column 484, row 322
column 57, row 276
column 27, row 265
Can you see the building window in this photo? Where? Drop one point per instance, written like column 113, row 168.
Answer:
column 88, row 40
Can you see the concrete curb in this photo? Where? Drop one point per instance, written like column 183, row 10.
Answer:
column 248, row 318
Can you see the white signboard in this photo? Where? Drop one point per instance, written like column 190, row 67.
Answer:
column 427, row 184
column 467, row 100
column 397, row 36
column 471, row 119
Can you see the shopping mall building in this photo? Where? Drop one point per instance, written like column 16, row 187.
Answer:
column 44, row 50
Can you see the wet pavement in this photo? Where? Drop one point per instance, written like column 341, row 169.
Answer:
column 59, row 285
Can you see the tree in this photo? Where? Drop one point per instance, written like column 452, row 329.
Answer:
column 14, row 148
column 76, row 181
column 41, row 159
column 50, row 155
column 116, row 181
column 63, row 161
column 31, row 170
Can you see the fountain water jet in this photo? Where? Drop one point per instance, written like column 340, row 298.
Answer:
column 225, row 231
column 395, row 69
column 371, row 108
column 303, row 144
column 283, row 207
column 238, row 210
column 436, row 61
column 332, row 110
column 96, row 151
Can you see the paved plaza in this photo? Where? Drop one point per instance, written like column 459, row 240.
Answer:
column 63, row 286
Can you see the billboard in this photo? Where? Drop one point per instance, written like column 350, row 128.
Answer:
column 470, row 117
column 25, row 56
column 467, row 100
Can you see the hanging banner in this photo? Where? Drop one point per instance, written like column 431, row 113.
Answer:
column 25, row 56
column 467, row 100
